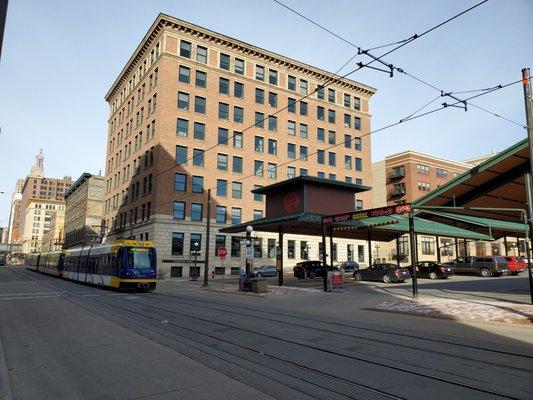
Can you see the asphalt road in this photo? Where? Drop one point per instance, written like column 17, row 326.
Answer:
column 62, row 340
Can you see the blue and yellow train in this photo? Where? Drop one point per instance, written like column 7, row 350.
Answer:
column 122, row 264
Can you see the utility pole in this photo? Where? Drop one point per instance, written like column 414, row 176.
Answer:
column 526, row 82
column 207, row 234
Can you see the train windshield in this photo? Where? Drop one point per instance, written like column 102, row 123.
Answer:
column 141, row 258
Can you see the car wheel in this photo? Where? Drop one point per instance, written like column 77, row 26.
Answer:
column 259, row 275
column 357, row 276
column 514, row 273
column 387, row 279
column 485, row 273
column 433, row 275
column 311, row 274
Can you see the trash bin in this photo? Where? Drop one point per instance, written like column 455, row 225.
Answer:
column 245, row 284
column 259, row 285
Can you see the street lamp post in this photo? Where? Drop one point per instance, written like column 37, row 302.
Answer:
column 195, row 244
column 248, row 243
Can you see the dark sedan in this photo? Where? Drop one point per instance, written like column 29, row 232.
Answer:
column 382, row 272
column 349, row 267
column 310, row 269
column 432, row 270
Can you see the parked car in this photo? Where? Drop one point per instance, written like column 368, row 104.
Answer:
column 2, row 260
column 516, row 264
column 485, row 266
column 265, row 271
column 349, row 267
column 432, row 270
column 310, row 269
column 382, row 272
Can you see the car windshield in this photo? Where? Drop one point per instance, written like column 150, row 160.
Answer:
column 140, row 258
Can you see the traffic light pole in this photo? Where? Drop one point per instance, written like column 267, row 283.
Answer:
column 207, row 234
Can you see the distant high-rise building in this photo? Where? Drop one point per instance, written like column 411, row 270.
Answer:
column 194, row 109
column 41, row 198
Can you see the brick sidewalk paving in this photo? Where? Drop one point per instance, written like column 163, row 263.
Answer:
column 501, row 312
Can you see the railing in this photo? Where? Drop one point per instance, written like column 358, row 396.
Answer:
column 398, row 172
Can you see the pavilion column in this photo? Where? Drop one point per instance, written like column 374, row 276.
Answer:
column 456, row 247
column 466, row 250
column 369, row 247
column 518, row 246
column 505, row 245
column 280, row 256
column 438, row 249
column 331, row 247
column 398, row 251
column 324, row 257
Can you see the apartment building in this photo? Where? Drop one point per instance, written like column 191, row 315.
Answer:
column 194, row 109
column 41, row 198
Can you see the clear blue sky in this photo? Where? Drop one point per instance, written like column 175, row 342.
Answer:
column 60, row 58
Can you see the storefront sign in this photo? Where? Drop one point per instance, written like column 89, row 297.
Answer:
column 374, row 212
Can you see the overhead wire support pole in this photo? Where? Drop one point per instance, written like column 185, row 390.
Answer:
column 528, row 100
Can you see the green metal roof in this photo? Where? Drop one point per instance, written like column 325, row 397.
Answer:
column 494, row 224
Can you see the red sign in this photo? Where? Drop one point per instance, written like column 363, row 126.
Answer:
column 337, row 279
column 222, row 252
column 374, row 212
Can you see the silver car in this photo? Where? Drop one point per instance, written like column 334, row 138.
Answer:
column 266, row 271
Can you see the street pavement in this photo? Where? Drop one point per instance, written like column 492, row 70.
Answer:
column 62, row 340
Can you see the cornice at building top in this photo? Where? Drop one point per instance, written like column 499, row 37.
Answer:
column 415, row 155
column 166, row 21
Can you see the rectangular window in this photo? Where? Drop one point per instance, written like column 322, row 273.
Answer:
column 291, row 150
column 220, row 241
column 238, row 114
column 223, row 86
column 184, row 74
column 180, row 182
column 237, row 164
column 199, row 105
column 441, row 173
column 290, row 249
column 222, row 188
column 360, row 253
column 331, row 116
column 259, row 144
column 271, row 248
column 348, row 163
column 183, row 101
column 238, row 90
column 347, row 120
column 272, row 146
column 178, row 210
column 332, row 159
column 201, row 79
column 222, row 162
column 235, row 246
column 304, row 250
column 236, row 215
column 272, row 171
column 196, row 211
column 181, row 155
column 236, row 190
column 320, row 92
column 291, row 105
column 303, row 108
column 223, row 111
column 347, row 141
column 291, row 172
column 201, row 54
column 259, row 73
column 357, row 123
column 259, row 96
column 303, row 153
column 237, row 140
column 199, row 131
column 320, row 135
column 291, row 83
column 320, row 113
column 272, row 123
column 347, row 100
column 358, row 144
column 221, row 215
column 195, row 244
column 197, row 184
column 239, row 66
column 304, row 87
column 348, row 179
column 222, row 136
column 357, row 103
column 198, row 158
column 291, row 128
column 428, row 245
column 272, row 77
column 272, row 99
column 185, row 49
column 304, row 133
column 422, row 169
column 320, row 156
column 331, row 95
column 258, row 168
column 358, row 164
column 258, row 197
column 224, row 61
column 182, row 127
column 259, row 120
column 258, row 214
column 177, row 244
column 332, row 137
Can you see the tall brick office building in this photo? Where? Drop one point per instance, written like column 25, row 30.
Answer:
column 182, row 115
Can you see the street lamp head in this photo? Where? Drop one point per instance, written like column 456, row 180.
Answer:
column 249, row 229
column 196, row 244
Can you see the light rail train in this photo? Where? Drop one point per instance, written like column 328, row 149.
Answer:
column 122, row 264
